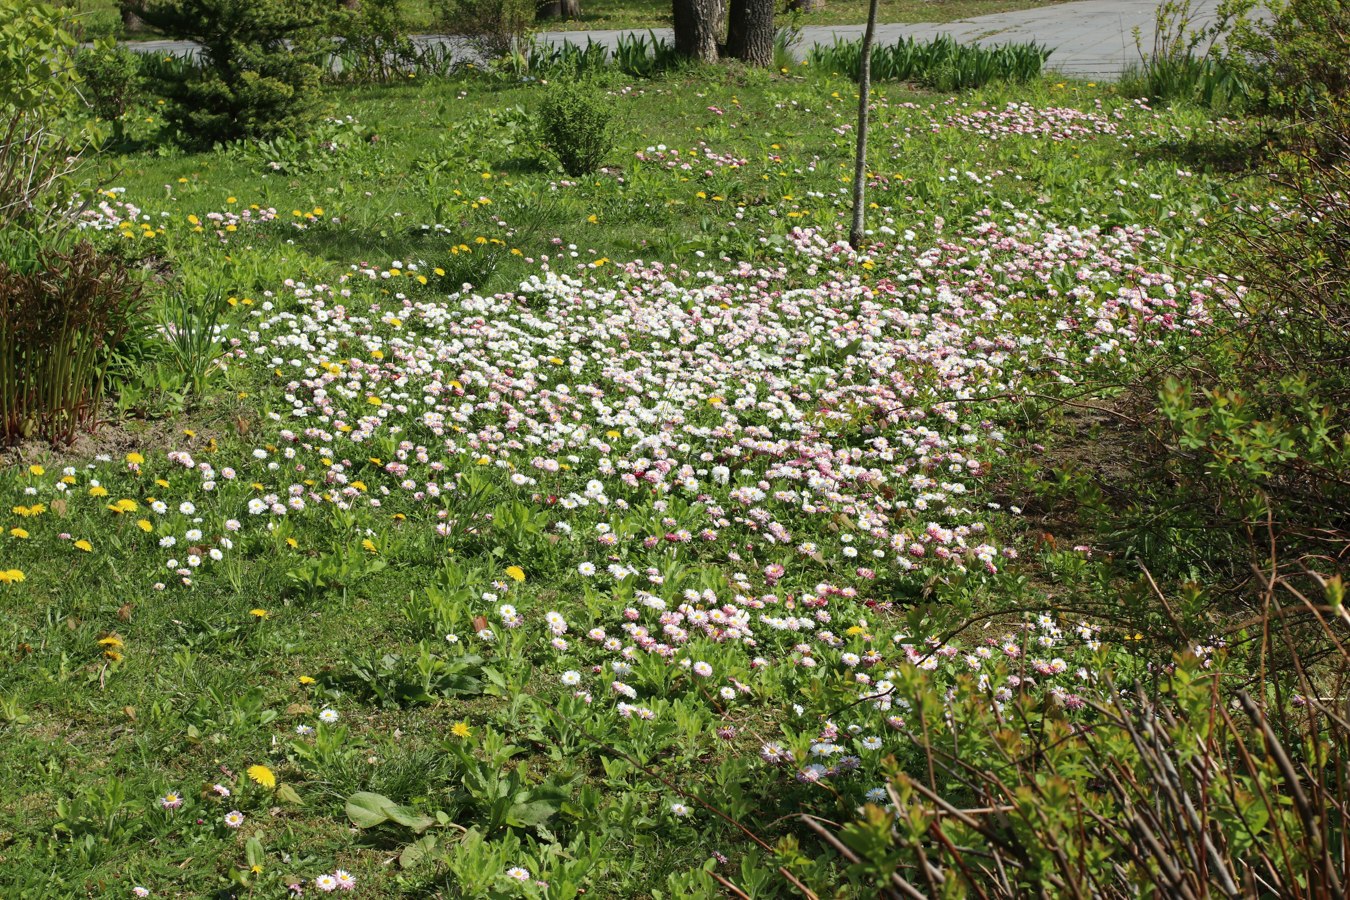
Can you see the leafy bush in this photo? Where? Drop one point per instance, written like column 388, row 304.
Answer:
column 494, row 28
column 58, row 326
column 940, row 63
column 576, row 125
column 260, row 69
column 111, row 80
column 1162, row 792
column 375, row 42
column 1189, row 61
column 1298, row 55
column 40, row 139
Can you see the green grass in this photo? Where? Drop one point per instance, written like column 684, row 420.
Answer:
column 202, row 688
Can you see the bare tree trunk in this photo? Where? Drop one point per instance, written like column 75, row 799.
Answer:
column 697, row 25
column 131, row 23
column 750, row 36
column 855, row 231
column 558, row 9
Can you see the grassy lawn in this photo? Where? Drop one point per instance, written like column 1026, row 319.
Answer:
column 101, row 16
column 562, row 564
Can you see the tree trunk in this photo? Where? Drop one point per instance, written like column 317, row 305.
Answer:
column 558, row 9
column 750, row 36
column 131, row 23
column 856, row 229
column 697, row 25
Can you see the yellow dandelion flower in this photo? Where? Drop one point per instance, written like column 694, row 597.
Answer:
column 19, row 533
column 37, row 470
column 98, row 490
column 144, row 525
column 262, row 775
column 515, row 573
column 11, row 576
column 305, row 679
column 292, row 543
column 259, row 613
column 135, row 459
column 369, row 546
column 111, row 640
column 461, row 730
column 83, row 545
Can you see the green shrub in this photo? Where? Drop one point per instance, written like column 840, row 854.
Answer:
column 576, row 125
column 59, row 325
column 492, row 27
column 261, row 65
column 1190, row 59
column 375, row 42
column 1164, row 792
column 1298, row 55
column 111, row 79
column 41, row 136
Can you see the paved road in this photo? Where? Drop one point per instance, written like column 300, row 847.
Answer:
column 1091, row 38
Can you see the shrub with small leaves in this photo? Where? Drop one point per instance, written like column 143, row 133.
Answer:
column 576, row 125
column 112, row 80
column 494, row 28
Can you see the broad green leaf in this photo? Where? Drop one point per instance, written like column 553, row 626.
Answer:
column 366, row 810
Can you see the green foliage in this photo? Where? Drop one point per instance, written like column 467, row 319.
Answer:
column 494, row 28
column 374, row 42
column 941, row 63
column 643, row 56
column 1298, row 55
column 1190, row 59
column 193, row 329
column 260, row 69
column 58, row 326
column 35, row 59
column 111, row 80
column 400, row 681
column 40, row 139
column 575, row 124
column 1125, row 804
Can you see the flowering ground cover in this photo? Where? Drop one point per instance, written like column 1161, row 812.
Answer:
column 538, row 536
